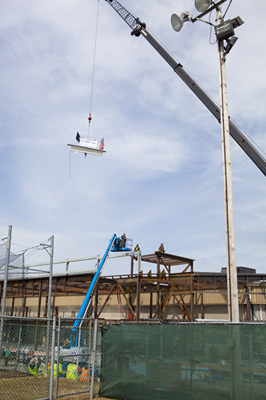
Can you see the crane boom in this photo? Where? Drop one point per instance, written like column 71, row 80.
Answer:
column 139, row 28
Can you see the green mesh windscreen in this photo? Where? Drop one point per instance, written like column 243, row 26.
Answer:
column 184, row 361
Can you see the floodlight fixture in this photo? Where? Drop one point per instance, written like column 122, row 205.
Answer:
column 178, row 22
column 230, row 43
column 225, row 30
column 237, row 22
column 202, row 5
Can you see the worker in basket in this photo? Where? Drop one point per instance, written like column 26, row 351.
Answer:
column 123, row 240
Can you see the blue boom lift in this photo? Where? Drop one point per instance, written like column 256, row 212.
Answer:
column 116, row 244
column 76, row 340
column 88, row 298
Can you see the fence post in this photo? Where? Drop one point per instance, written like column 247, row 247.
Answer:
column 58, row 356
column 89, row 358
column 237, row 373
column 19, row 338
column 52, row 360
column 251, row 367
column 94, row 356
column 192, row 363
column 49, row 298
column 5, row 285
column 77, row 368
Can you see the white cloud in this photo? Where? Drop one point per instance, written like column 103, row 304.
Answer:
column 161, row 178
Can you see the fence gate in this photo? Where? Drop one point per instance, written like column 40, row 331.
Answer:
column 46, row 359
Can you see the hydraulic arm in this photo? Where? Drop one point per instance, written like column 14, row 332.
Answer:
column 139, row 28
column 88, row 298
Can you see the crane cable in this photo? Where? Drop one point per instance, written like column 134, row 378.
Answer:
column 93, row 67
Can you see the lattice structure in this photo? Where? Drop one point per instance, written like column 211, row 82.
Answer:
column 125, row 14
column 134, row 23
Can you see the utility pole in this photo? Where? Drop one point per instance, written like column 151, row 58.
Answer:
column 224, row 32
column 232, row 288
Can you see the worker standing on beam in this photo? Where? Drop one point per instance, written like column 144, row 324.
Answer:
column 161, row 248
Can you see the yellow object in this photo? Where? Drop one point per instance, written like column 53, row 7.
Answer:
column 71, row 371
column 32, row 368
column 60, row 369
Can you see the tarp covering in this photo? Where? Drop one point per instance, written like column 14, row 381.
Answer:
column 184, row 361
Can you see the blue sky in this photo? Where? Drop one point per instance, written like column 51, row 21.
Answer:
column 161, row 178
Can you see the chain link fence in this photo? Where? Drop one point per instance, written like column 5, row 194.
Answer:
column 48, row 359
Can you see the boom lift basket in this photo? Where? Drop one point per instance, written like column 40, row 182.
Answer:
column 119, row 245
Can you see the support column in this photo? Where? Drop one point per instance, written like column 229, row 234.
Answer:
column 202, row 306
column 24, row 301
column 96, row 303
column 12, row 306
column 192, row 295
column 158, row 286
column 40, row 299
column 151, row 304
column 132, row 266
column 138, row 287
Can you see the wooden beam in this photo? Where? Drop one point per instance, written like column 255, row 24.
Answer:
column 12, row 307
column 185, row 270
column 192, row 313
column 183, row 306
column 129, row 305
column 150, row 304
column 106, row 300
column 167, row 302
